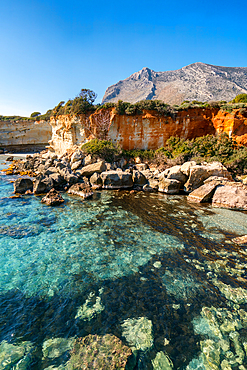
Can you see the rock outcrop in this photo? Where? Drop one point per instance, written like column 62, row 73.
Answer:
column 197, row 81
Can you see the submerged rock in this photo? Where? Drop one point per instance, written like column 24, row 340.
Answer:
column 22, row 185
column 242, row 240
column 100, row 353
column 162, row 362
column 138, row 333
column 91, row 307
column 81, row 189
column 53, row 348
column 16, row 357
column 53, row 198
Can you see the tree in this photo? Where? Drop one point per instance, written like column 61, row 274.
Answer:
column 87, row 95
column 35, row 114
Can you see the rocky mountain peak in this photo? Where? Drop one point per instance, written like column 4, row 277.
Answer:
column 197, row 81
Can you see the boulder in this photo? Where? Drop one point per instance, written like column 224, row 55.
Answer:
column 78, row 155
column 95, row 179
column 89, row 160
column 185, row 168
column 76, row 165
column 204, row 193
column 53, row 198
column 50, row 170
column 82, row 190
column 232, row 195
column 154, row 184
column 68, row 177
column 169, row 186
column 175, row 173
column 116, row 180
column 141, row 166
column 138, row 178
column 22, row 185
column 57, row 180
column 92, row 168
column 42, row 185
column 199, row 173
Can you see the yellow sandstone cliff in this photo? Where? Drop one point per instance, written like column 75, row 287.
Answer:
column 27, row 135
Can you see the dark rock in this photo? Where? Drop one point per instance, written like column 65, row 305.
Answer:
column 138, row 178
column 53, row 198
column 9, row 159
column 95, row 179
column 42, row 185
column 116, row 180
column 22, row 185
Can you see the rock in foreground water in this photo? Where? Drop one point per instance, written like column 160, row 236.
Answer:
column 22, row 185
column 233, row 196
column 53, row 198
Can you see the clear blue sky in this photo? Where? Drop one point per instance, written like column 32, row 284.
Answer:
column 50, row 49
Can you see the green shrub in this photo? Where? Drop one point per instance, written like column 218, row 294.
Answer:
column 35, row 114
column 102, row 148
column 241, row 98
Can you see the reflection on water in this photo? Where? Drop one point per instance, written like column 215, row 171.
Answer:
column 158, row 273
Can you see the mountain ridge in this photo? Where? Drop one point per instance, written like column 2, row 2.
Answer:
column 196, row 81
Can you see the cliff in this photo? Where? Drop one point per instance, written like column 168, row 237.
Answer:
column 197, row 81
column 148, row 130
column 24, row 135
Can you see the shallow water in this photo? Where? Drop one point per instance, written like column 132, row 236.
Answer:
column 121, row 263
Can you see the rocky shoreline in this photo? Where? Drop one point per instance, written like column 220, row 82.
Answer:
column 81, row 174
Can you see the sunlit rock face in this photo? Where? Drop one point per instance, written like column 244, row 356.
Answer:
column 148, row 130
column 24, row 134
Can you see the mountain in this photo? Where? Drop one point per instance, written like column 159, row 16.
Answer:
column 197, row 81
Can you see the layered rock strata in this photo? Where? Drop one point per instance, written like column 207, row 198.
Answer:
column 24, row 135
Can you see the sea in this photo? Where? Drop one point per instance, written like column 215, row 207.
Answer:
column 161, row 274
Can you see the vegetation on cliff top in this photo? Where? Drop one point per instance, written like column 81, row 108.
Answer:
column 207, row 148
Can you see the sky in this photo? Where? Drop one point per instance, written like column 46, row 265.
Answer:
column 50, row 49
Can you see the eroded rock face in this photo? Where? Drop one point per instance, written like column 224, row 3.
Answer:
column 53, row 198
column 116, row 180
column 42, row 185
column 233, row 196
column 22, row 185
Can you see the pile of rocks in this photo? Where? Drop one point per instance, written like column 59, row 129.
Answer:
column 80, row 174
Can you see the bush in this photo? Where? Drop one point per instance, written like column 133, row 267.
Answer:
column 102, row 148
column 35, row 114
column 241, row 98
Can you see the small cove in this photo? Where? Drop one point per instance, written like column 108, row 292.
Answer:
column 90, row 267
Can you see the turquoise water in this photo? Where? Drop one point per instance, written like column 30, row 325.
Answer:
column 117, row 262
